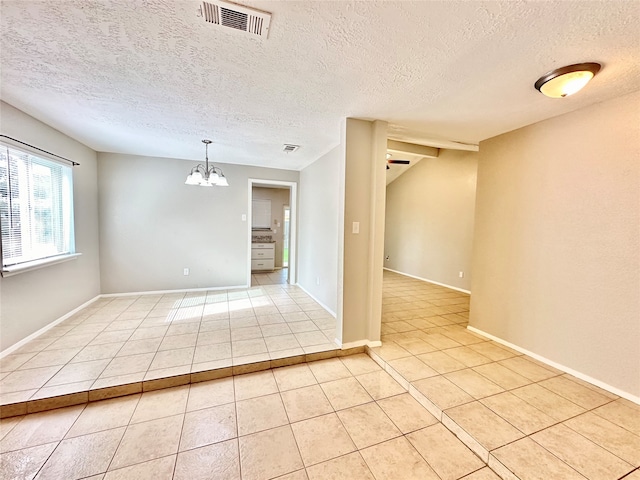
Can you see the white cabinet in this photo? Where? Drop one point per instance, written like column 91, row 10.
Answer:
column 262, row 257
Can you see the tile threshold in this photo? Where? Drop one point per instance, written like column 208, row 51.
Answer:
column 119, row 390
column 484, row 454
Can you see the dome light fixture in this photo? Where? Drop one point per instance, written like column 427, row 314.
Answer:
column 565, row 81
column 206, row 176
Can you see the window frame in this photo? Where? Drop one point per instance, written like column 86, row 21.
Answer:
column 65, row 203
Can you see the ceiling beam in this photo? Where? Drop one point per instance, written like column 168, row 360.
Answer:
column 413, row 148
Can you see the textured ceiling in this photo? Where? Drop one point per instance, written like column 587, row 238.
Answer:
column 149, row 77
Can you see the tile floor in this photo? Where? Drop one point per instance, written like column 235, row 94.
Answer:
column 341, row 418
column 434, row 402
column 277, row 277
column 137, row 340
column 524, row 418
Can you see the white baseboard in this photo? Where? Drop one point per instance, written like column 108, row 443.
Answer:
column 571, row 371
column 333, row 314
column 358, row 343
column 162, row 292
column 429, row 281
column 34, row 335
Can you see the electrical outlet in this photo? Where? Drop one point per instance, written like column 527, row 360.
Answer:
column 185, row 272
column 244, row 217
column 355, row 228
column 317, row 280
column 461, row 274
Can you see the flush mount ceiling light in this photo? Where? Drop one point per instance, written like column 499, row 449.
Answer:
column 206, row 176
column 565, row 81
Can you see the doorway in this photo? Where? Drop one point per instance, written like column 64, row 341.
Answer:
column 271, row 225
column 286, row 215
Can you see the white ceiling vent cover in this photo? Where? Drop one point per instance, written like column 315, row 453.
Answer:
column 289, row 148
column 227, row 14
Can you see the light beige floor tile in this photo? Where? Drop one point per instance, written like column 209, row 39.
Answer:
column 387, row 459
column 275, row 330
column 502, row 376
column 49, row 358
column 210, row 394
column 175, row 342
column 161, row 403
column 345, row 393
column 103, row 415
column 183, row 329
column 8, row 424
column 143, row 333
column 328, row 370
column 302, row 326
column 518, row 413
column 14, row 361
column 260, row 413
column 209, row 353
column 360, row 364
column 415, row 346
column 254, row 385
column 72, row 341
column 490, row 430
column 27, row 379
column 412, row 368
column 97, row 352
column 347, row 467
column 281, row 342
column 306, row 402
column 406, row 413
column 47, row 392
column 137, row 347
column 633, row 476
column 211, row 425
column 260, row 460
column 622, row 414
column 147, row 441
column 441, row 392
column 245, row 333
column 441, row 362
column 473, row 383
column 243, row 348
column 438, row 340
column 548, row 402
column 25, row 463
column 391, row 351
column 159, row 469
column 617, row 440
column 219, row 461
column 172, row 358
column 442, row 450
column 40, row 428
column 212, row 337
column 78, row 372
column 529, row 461
column 295, row 376
column 112, row 337
column 128, row 364
column 528, row 368
column 492, row 351
column 467, row 356
column 367, row 425
column 483, row 474
column 83, row 456
column 306, row 339
column 583, row 455
column 380, row 384
column 322, row 438
column 578, row 394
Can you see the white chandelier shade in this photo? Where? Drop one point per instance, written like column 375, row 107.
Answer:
column 206, row 176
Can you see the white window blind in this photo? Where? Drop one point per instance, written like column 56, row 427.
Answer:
column 36, row 207
column 261, row 213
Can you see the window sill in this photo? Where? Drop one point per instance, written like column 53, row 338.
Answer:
column 36, row 264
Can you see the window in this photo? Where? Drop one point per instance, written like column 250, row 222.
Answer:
column 36, row 208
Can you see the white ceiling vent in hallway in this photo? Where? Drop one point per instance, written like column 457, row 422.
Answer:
column 227, row 14
column 289, row 148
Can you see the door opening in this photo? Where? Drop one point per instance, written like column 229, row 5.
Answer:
column 285, row 250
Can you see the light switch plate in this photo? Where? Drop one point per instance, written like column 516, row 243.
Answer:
column 356, row 227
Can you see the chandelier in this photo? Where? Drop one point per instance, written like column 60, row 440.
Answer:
column 206, row 176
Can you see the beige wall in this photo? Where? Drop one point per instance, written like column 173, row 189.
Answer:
column 429, row 219
column 318, row 228
column 556, row 257
column 279, row 198
column 152, row 225
column 31, row 300
column 360, row 261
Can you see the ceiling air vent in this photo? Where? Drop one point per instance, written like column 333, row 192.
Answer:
column 288, row 148
column 227, row 14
